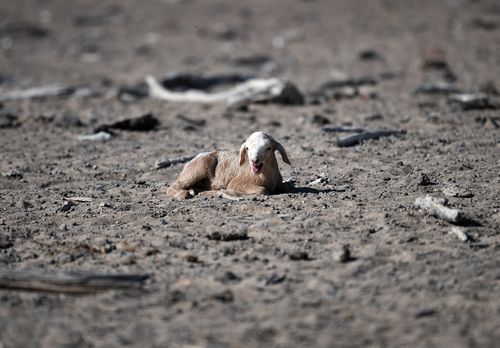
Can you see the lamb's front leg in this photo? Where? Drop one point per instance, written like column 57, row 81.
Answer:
column 239, row 188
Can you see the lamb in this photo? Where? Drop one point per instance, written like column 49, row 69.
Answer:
column 254, row 171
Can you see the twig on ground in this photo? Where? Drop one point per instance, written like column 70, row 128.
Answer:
column 366, row 135
column 341, row 129
column 100, row 136
column 69, row 282
column 39, row 92
column 171, row 161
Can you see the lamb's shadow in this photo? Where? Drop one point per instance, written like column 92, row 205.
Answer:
column 468, row 221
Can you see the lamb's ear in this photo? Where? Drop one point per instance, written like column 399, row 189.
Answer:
column 282, row 151
column 243, row 152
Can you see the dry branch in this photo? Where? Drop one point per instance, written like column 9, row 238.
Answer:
column 69, row 282
column 38, row 92
column 341, row 129
column 359, row 138
column 171, row 161
column 435, row 206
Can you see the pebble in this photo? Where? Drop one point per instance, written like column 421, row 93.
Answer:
column 320, row 120
column 471, row 101
column 275, row 278
column 224, row 296
column 343, row 255
column 13, row 174
column 298, row 256
column 100, row 136
column 228, row 236
column 191, row 258
column 105, row 205
column 228, row 277
column 67, row 206
column 425, row 180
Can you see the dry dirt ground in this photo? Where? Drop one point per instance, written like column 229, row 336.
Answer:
column 409, row 282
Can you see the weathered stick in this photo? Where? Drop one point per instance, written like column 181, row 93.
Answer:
column 459, row 233
column 359, row 138
column 341, row 129
column 171, row 161
column 69, row 282
column 435, row 206
column 243, row 94
column 100, row 136
column 38, row 92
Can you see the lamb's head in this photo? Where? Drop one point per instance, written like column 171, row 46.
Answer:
column 260, row 149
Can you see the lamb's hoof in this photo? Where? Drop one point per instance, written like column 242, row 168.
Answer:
column 179, row 194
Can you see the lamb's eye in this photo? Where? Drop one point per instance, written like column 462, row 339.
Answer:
column 268, row 149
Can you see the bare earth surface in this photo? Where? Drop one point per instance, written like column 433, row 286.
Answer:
column 409, row 282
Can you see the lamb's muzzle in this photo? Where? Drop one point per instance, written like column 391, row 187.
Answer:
column 222, row 170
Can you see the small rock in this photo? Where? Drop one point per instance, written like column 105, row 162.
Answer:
column 298, row 256
column 143, row 123
column 105, row 205
column 8, row 120
column 318, row 181
column 343, row 255
column 224, row 296
column 63, row 227
column 472, row 101
column 13, row 174
column 151, row 251
column 320, row 120
column 191, row 258
column 99, row 136
column 5, row 243
column 275, row 278
column 228, row 277
column 67, row 206
column 369, row 54
column 223, row 32
column 228, row 236
column 425, row 180
column 64, row 258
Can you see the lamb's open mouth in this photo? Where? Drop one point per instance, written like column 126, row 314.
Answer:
column 256, row 168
